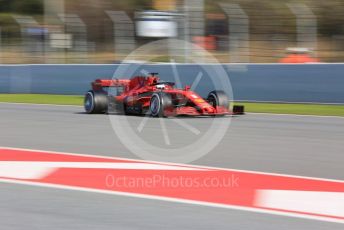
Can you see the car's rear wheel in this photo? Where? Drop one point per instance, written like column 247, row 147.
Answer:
column 218, row 98
column 159, row 103
column 95, row 102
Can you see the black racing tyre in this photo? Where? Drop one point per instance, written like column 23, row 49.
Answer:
column 125, row 107
column 95, row 102
column 218, row 98
column 159, row 103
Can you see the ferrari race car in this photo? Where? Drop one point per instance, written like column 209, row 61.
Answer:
column 149, row 95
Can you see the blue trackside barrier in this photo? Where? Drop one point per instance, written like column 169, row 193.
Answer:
column 311, row 83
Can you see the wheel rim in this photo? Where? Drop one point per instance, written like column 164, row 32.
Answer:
column 89, row 103
column 155, row 105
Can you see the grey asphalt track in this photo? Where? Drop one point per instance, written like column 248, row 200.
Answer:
column 298, row 145
column 34, row 208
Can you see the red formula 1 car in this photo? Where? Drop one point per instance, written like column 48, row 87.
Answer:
column 149, row 95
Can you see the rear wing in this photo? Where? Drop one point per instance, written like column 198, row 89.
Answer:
column 101, row 83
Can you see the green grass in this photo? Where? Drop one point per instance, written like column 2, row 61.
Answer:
column 302, row 109
column 42, row 99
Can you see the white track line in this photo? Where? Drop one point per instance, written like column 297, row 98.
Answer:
column 295, row 115
column 176, row 200
column 286, row 102
column 273, row 114
column 41, row 169
column 317, row 202
column 175, row 164
column 233, row 207
column 35, row 104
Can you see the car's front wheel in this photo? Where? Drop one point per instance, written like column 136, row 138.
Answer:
column 159, row 103
column 218, row 98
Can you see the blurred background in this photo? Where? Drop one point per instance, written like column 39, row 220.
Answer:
column 234, row 31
